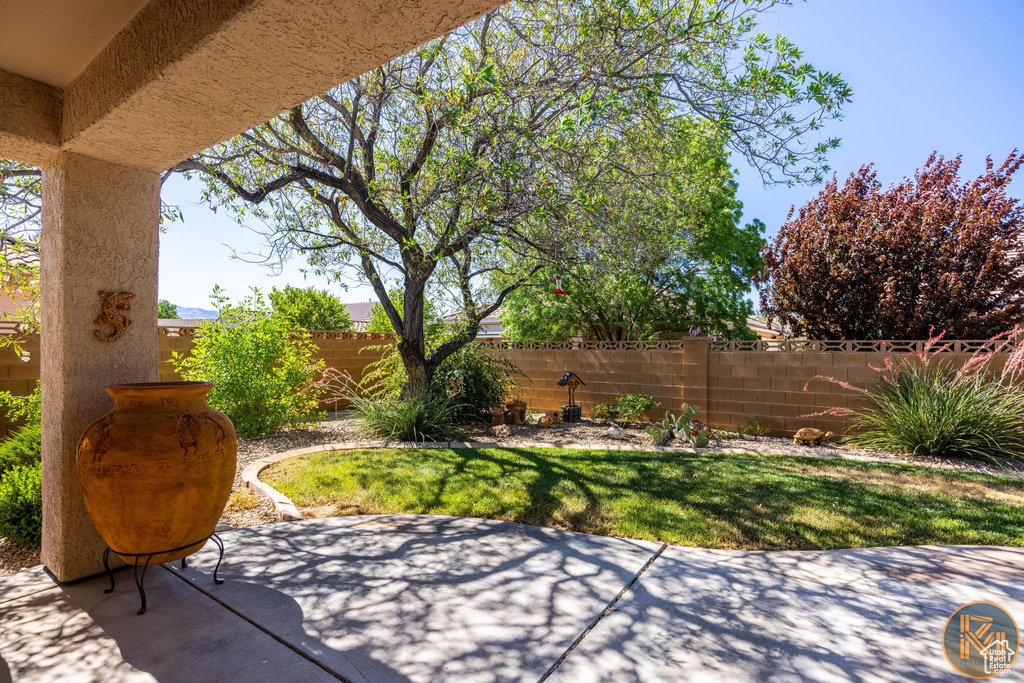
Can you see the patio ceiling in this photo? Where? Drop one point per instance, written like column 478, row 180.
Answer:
column 52, row 41
column 148, row 84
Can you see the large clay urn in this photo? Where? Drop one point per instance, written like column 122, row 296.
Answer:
column 156, row 471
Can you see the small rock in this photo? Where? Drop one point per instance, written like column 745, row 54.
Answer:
column 501, row 431
column 616, row 432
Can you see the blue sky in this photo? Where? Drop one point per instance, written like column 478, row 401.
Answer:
column 927, row 75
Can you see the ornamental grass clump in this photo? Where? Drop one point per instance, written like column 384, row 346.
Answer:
column 925, row 405
column 434, row 417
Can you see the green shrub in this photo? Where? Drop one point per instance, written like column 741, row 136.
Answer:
column 165, row 310
column 627, row 408
column 311, row 308
column 926, row 410
column 925, row 406
column 434, row 417
column 24, row 409
column 482, row 379
column 23, row 447
column 21, row 505
column 264, row 373
column 605, row 411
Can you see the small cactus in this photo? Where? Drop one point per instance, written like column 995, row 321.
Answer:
column 674, row 425
column 659, row 435
column 682, row 427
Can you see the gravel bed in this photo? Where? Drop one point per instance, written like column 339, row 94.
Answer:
column 593, row 432
column 247, row 509
column 16, row 557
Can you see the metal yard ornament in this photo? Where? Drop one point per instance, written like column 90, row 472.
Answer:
column 571, row 412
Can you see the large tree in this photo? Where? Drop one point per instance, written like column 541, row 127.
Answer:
column 21, row 201
column 678, row 258
column 469, row 164
column 927, row 254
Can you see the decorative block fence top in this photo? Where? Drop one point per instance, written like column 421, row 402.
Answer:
column 878, row 346
column 319, row 334
column 787, row 345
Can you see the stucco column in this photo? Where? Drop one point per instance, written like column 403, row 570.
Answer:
column 100, row 231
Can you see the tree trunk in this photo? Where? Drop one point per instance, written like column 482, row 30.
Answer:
column 418, row 379
column 412, row 345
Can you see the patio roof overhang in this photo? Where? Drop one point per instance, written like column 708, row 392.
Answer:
column 106, row 94
column 148, row 84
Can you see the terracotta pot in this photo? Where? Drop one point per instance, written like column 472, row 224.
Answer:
column 156, row 471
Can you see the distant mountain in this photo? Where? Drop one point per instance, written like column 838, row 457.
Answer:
column 186, row 313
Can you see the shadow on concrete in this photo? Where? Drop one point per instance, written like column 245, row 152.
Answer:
column 744, row 617
column 76, row 632
column 419, row 598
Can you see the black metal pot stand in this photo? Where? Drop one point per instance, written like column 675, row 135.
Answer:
column 140, row 578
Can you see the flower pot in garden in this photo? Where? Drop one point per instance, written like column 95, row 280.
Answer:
column 156, row 471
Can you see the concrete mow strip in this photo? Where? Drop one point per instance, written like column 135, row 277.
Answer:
column 423, row 598
column 697, row 617
column 77, row 633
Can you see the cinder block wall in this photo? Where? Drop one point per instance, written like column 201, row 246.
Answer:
column 731, row 383
column 670, row 373
column 768, row 386
column 351, row 353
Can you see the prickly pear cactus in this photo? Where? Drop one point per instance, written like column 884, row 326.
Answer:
column 659, row 435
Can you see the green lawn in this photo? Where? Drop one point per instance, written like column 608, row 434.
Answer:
column 718, row 501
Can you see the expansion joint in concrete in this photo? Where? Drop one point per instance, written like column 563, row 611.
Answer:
column 607, row 610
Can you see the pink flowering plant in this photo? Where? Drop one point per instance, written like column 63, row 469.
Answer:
column 925, row 405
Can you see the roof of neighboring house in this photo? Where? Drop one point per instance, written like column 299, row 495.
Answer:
column 360, row 313
column 181, row 322
column 492, row 319
column 490, row 326
column 761, row 329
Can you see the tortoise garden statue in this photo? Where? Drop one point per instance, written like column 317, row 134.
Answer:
column 811, row 436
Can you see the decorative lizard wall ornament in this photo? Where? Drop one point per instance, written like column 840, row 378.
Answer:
column 113, row 302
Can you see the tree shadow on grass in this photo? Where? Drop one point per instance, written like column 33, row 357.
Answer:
column 726, row 501
column 717, row 501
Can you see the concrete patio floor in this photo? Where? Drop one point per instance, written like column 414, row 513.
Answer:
column 420, row 598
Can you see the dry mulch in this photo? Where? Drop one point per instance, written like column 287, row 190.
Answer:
column 246, row 509
column 16, row 557
column 593, row 432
